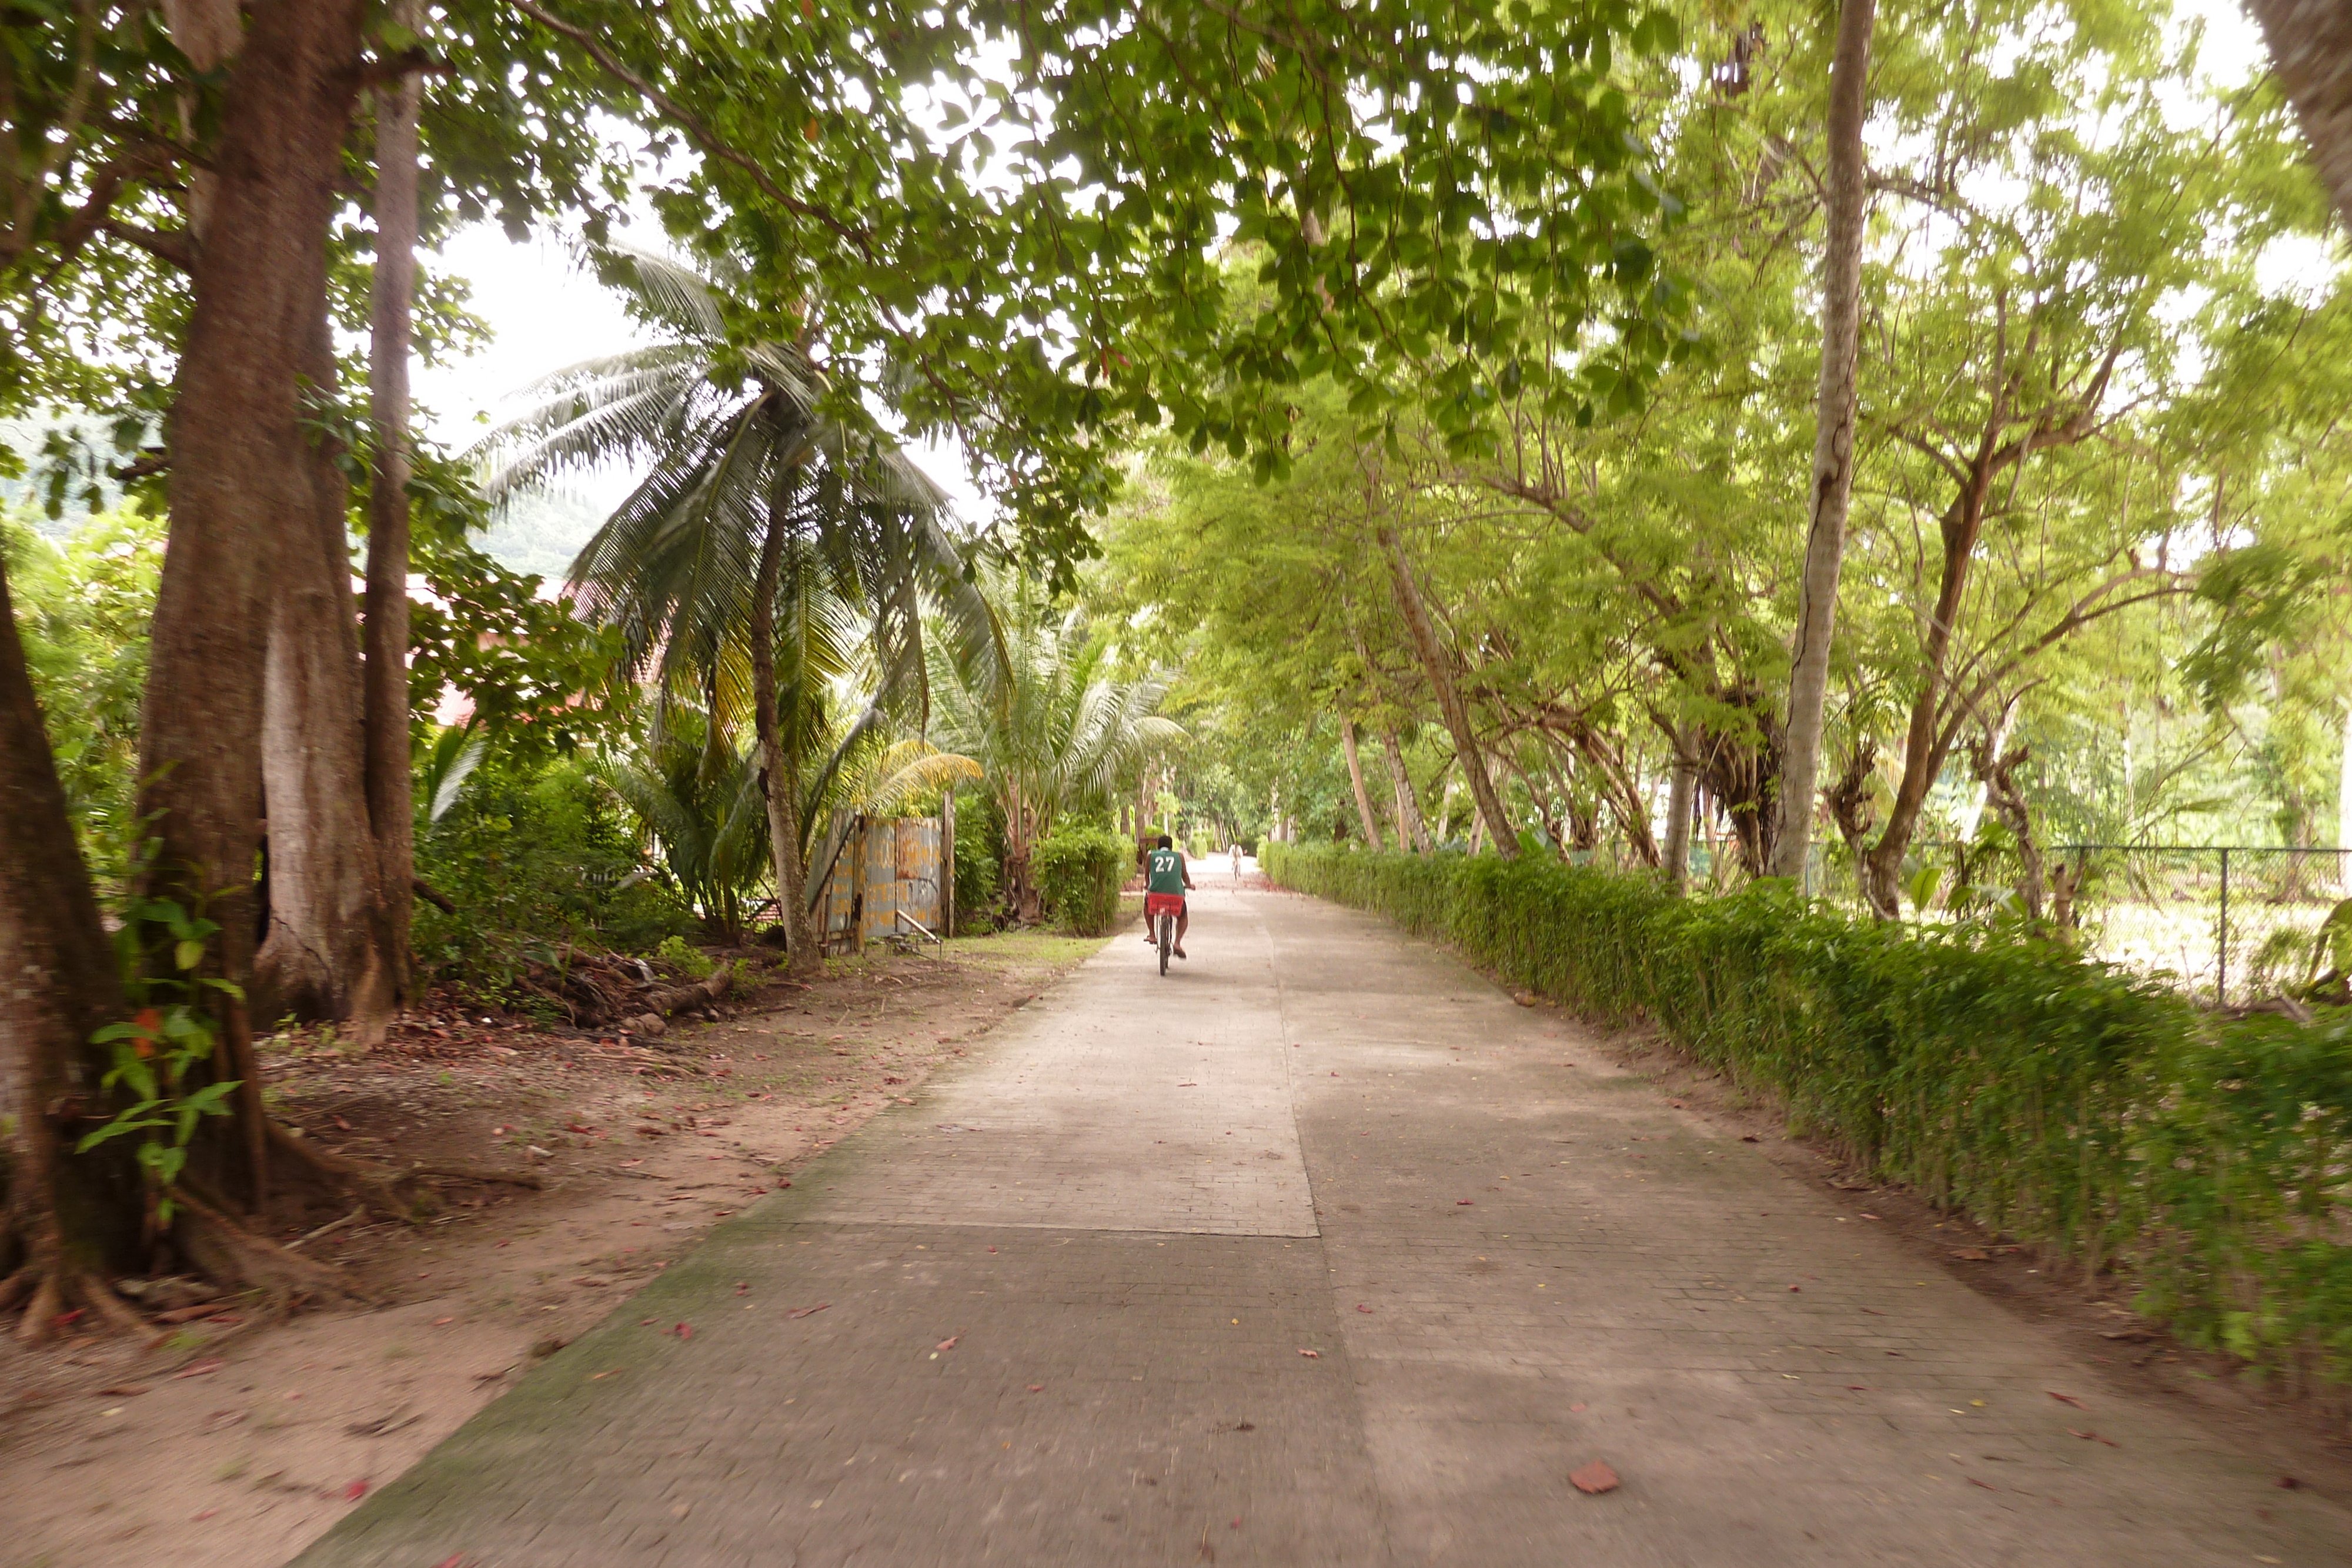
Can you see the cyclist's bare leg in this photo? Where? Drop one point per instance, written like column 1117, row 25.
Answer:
column 1183, row 918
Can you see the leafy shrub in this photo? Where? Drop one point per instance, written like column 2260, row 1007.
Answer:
column 1079, row 867
column 979, row 847
column 2064, row 1102
column 673, row 950
column 533, row 855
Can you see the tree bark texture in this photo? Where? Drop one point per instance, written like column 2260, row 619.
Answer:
column 58, row 986
column 324, row 953
column 241, row 491
column 391, row 798
column 1408, row 805
column 2310, row 49
column 1833, row 486
column 778, row 780
column 1997, row 770
column 1681, row 791
column 1356, row 777
column 1436, row 664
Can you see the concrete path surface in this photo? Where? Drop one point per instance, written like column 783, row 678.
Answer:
column 1061, row 1313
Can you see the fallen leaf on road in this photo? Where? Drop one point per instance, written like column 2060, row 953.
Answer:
column 2129, row 1336
column 683, row 1330
column 2066, row 1399
column 1796, row 1287
column 743, row 1287
column 2093, row 1437
column 1857, row 1388
column 1594, row 1478
column 356, row 1490
column 444, row 1322
column 808, row 1311
column 1361, row 1308
column 1312, row 1354
column 992, row 1250
column 199, row 1369
column 1747, row 1137
column 1464, row 1202
column 124, row 1389
column 458, row 1561
column 600, row 1376
column 1036, row 1388
column 220, row 1419
column 1987, row 1485
column 1874, row 1311
column 1578, row 1405
column 207, row 1514
column 2289, row 1482
column 1870, row 1217
column 1970, row 1255
column 949, row 1342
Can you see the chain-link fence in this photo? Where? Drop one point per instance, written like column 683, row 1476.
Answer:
column 2229, row 923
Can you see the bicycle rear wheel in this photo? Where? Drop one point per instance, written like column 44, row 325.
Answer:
column 1167, row 939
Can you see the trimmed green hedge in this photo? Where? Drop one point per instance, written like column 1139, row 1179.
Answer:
column 2064, row 1102
column 1081, row 867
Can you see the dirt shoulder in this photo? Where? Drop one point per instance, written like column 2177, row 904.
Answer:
column 239, row 1441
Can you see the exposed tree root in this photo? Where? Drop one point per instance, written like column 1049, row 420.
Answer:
column 236, row 1257
column 480, row 1173
column 47, row 1302
column 99, row 1298
column 378, row 1188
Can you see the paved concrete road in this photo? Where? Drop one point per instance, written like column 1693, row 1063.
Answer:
column 1065, row 1302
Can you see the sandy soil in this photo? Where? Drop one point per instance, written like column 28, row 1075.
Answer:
column 237, row 1441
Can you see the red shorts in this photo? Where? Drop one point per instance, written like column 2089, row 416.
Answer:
column 1158, row 904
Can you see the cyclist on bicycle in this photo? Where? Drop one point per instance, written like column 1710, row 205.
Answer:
column 1164, row 892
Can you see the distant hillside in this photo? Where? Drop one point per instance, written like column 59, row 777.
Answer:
column 541, row 533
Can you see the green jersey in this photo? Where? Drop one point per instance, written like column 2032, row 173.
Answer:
column 1166, row 872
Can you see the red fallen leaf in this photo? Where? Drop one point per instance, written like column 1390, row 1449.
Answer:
column 782, row 1185
column 743, row 1287
column 1874, row 1311
column 1595, row 1478
column 64, row 1318
column 2289, row 1482
column 647, row 1322
column 124, row 1390
column 457, row 1559
column 342, row 1124
column 1578, row 1405
column 576, row 1127
column 1857, row 1388
column 356, row 1490
column 949, row 1342
column 1987, row 1485
column 442, row 1323
column 2066, row 1399
column 1036, row 1388
column 1312, row 1354
column 1361, row 1308
column 1464, row 1202
column 808, row 1311
column 1796, row 1287
column 2093, row 1437
column 1747, row 1137
column 1870, row 1217
column 199, row 1369
column 683, row 1330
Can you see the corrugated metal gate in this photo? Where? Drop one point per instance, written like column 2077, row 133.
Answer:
column 887, row 867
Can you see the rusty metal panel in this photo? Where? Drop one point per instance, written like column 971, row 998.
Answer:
column 918, row 869
column 879, row 876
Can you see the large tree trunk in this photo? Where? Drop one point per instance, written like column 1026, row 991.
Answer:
column 2311, row 49
column 241, row 485
column 58, row 985
column 1450, row 705
column 323, row 955
column 1356, row 777
column 1408, row 804
column 1808, row 671
column 778, row 780
column 391, row 798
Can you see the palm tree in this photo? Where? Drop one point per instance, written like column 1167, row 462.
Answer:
column 1053, row 730
column 773, row 543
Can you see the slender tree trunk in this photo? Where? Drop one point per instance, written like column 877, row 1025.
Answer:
column 1682, row 790
column 1833, row 488
column 1408, row 804
column 241, row 486
column 390, row 796
column 1356, row 777
column 323, row 956
column 1450, row 705
column 779, row 779
column 58, row 985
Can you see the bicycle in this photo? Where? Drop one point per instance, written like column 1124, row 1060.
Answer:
column 1167, row 937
